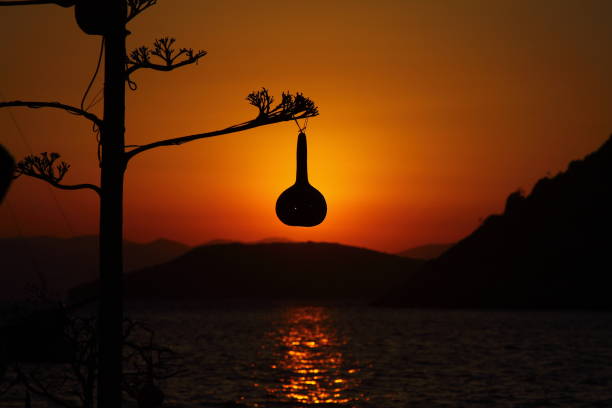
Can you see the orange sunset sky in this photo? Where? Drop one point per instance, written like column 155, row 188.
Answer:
column 432, row 112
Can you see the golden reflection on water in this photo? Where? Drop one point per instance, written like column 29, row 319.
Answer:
column 310, row 364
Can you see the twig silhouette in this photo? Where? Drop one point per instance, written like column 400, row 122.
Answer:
column 43, row 167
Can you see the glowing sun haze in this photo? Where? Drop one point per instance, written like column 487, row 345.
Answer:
column 432, row 112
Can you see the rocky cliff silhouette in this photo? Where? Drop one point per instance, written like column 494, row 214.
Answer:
column 268, row 271
column 550, row 249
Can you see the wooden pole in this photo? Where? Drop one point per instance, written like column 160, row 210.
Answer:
column 110, row 317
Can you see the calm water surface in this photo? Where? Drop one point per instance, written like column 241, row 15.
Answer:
column 369, row 357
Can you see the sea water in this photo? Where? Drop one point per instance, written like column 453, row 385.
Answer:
column 358, row 356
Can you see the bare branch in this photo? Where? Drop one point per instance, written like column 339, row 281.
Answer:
column 135, row 7
column 43, row 167
column 180, row 140
column 63, row 3
column 55, row 105
column 145, row 362
column 290, row 108
column 168, row 57
column 35, row 386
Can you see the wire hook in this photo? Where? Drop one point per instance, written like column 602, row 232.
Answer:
column 301, row 128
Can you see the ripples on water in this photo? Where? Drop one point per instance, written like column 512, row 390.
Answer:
column 307, row 359
column 366, row 357
column 382, row 358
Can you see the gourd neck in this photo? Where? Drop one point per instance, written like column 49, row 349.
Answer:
column 302, row 160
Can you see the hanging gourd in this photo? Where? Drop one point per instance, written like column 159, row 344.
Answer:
column 301, row 205
column 92, row 16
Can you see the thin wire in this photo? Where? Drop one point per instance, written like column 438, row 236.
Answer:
column 12, row 212
column 99, row 97
column 95, row 102
column 93, row 78
column 96, row 99
column 25, row 141
column 95, row 128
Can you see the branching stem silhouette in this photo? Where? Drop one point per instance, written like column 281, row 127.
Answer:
column 63, row 3
column 43, row 167
column 164, row 52
column 68, row 186
column 55, row 105
column 291, row 107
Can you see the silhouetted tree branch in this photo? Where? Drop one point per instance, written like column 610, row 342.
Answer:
column 34, row 382
column 165, row 53
column 63, row 3
column 56, row 105
column 6, row 383
column 291, row 107
column 145, row 362
column 135, row 7
column 43, row 167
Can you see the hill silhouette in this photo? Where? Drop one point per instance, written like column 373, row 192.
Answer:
column 273, row 240
column 62, row 263
column 268, row 240
column 269, row 271
column 550, row 249
column 426, row 252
